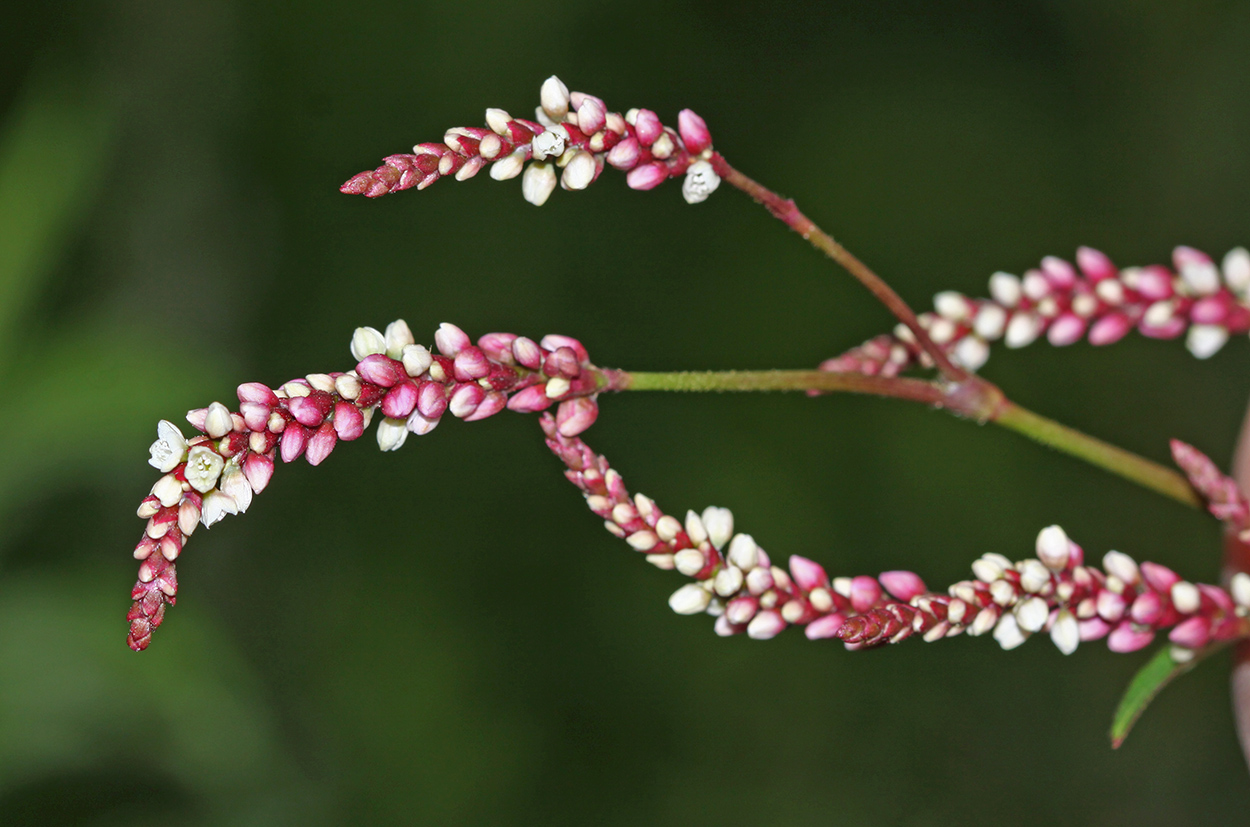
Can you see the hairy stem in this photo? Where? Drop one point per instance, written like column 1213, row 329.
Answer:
column 787, row 212
column 973, row 398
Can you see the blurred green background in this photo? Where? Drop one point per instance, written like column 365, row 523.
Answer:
column 444, row 635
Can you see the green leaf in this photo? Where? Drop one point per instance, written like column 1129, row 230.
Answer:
column 1158, row 672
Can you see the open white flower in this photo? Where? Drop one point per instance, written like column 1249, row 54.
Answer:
column 203, row 468
column 217, row 504
column 169, row 449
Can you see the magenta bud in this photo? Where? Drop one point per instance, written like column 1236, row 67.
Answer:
column 1110, row 329
column 1124, row 638
column 450, row 340
column 400, row 400
column 529, row 400
column 256, row 392
column 865, row 592
column 1160, row 578
column 491, row 404
column 647, row 127
column 807, row 574
column 381, row 370
column 293, row 441
column 1147, row 608
column 471, row 363
column 349, row 422
column 255, row 415
column 432, row 400
column 258, row 469
column 1211, row 309
column 562, row 362
column 1168, row 330
column 527, row 352
column 825, row 627
column 1066, row 329
column 591, row 115
column 498, row 347
column 197, row 418
column 694, row 132
column 624, row 156
column 576, row 415
column 554, row 341
column 647, row 177
column 1095, row 264
column 1154, row 283
column 1192, row 634
column 321, row 444
column 1060, row 274
column 465, row 399
column 903, row 585
column 1095, row 628
column 305, row 410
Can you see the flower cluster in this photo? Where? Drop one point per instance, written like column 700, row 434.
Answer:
column 1093, row 300
column 220, row 469
column 574, row 133
column 1054, row 592
column 1224, row 498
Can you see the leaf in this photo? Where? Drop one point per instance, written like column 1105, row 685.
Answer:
column 1158, row 672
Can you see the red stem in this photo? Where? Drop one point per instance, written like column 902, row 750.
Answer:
column 785, row 210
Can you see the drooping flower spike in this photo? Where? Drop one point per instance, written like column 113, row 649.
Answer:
column 1093, row 300
column 232, row 458
column 570, row 143
column 1224, row 498
column 1055, row 592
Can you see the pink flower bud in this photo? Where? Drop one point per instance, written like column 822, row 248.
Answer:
column 624, row 156
column 399, row 400
column 562, row 362
column 527, row 352
column 865, row 592
column 825, row 627
column 256, row 392
column 1124, row 638
column 1060, row 274
column 471, row 363
column 647, row 177
column 1109, row 329
column 258, row 469
column 576, row 415
column 766, row 625
column 1193, row 633
column 450, row 340
column 1147, row 608
column 1160, row 578
column 321, row 444
column 694, row 132
column 529, row 400
column 306, row 411
column 498, row 346
column 902, row 585
column 1154, row 283
column 381, row 370
column 255, row 415
column 465, row 399
column 647, row 127
column 1095, row 264
column 349, row 422
column 555, row 341
column 491, row 404
column 432, row 400
column 1066, row 329
column 591, row 115
column 807, row 574
column 293, row 442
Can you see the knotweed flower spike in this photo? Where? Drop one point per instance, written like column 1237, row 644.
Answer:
column 1093, row 300
column 570, row 143
column 1055, row 592
column 217, row 471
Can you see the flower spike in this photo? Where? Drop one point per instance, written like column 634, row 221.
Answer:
column 574, row 137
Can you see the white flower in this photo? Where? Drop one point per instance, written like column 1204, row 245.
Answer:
column 203, row 468
column 367, row 341
column 234, row 483
column 169, row 449
column 701, row 181
column 216, row 505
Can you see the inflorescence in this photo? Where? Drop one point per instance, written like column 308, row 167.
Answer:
column 232, row 458
column 574, row 133
column 1055, row 592
column 1093, row 300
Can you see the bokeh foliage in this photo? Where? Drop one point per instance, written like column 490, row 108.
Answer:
column 444, row 635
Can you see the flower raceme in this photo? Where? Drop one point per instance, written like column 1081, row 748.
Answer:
column 218, row 471
column 570, row 143
column 1093, row 300
column 1055, row 592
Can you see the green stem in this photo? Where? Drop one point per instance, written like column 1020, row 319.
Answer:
column 974, row 399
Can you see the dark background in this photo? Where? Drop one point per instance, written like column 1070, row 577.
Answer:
column 444, row 635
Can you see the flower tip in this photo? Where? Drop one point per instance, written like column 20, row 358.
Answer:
column 555, row 98
column 694, row 132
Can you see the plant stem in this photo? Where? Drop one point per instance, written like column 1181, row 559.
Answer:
column 986, row 404
column 785, row 210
